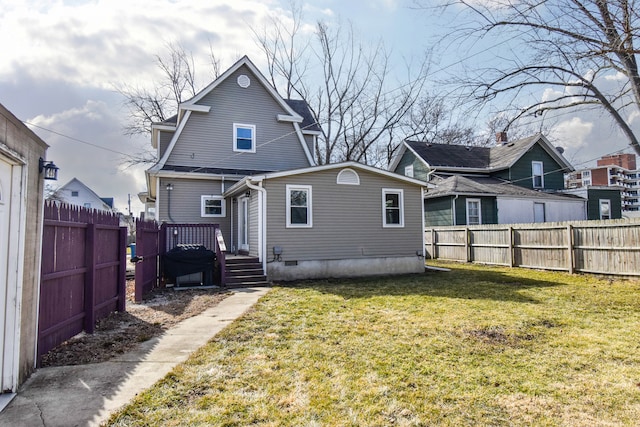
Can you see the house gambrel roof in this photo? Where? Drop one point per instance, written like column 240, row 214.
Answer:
column 297, row 113
column 491, row 187
column 461, row 158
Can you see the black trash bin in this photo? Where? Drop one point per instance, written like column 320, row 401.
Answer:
column 190, row 265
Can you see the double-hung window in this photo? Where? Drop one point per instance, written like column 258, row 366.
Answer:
column 474, row 215
column 299, row 206
column 537, row 173
column 212, row 206
column 392, row 208
column 244, row 138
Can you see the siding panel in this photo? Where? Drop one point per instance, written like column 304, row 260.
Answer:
column 347, row 219
column 185, row 202
column 207, row 138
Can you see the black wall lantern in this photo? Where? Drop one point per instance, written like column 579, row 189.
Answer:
column 49, row 168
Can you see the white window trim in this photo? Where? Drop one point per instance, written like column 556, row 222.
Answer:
column 307, row 188
column 479, row 210
column 400, row 192
column 408, row 171
column 211, row 197
column 600, row 203
column 533, row 176
column 253, row 137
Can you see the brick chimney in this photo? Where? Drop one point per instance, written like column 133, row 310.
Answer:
column 501, row 138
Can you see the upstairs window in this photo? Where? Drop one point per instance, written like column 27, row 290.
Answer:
column 474, row 215
column 537, row 172
column 244, row 138
column 74, row 194
column 212, row 206
column 299, row 206
column 392, row 208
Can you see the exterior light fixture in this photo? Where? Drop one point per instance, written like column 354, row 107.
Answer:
column 49, row 168
column 169, row 187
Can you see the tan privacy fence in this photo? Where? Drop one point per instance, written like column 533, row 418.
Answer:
column 606, row 247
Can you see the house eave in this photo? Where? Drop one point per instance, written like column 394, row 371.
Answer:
column 289, row 118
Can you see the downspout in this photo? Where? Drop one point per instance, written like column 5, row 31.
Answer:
column 262, row 222
column 453, row 209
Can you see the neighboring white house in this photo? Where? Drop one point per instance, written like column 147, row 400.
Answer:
column 75, row 192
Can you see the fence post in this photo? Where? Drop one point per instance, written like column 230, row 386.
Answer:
column 90, row 279
column 433, row 243
column 122, row 270
column 570, row 248
column 511, row 257
column 467, row 244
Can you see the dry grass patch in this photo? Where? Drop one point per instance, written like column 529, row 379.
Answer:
column 476, row 346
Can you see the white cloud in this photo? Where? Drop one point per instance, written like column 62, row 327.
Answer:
column 573, row 133
column 98, row 43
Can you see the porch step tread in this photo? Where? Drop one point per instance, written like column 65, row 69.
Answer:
column 246, row 271
column 240, row 276
column 250, row 283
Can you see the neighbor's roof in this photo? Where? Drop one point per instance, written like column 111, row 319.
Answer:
column 481, row 186
column 486, row 159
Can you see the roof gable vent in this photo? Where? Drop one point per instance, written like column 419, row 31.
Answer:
column 348, row 177
column 243, row 81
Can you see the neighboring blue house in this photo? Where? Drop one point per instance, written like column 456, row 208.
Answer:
column 239, row 155
column 512, row 182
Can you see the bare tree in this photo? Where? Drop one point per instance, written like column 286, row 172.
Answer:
column 159, row 101
column 431, row 120
column 348, row 87
column 575, row 47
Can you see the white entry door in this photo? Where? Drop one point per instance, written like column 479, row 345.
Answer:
column 8, row 283
column 243, row 224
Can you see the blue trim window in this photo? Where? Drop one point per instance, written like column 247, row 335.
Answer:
column 244, row 138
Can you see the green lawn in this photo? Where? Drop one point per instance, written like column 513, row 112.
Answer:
column 474, row 346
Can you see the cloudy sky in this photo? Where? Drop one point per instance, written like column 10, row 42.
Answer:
column 62, row 59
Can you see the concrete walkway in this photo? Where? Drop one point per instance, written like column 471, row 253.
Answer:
column 86, row 395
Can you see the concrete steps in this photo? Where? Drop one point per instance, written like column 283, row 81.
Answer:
column 244, row 272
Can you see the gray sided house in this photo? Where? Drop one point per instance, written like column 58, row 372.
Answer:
column 512, row 182
column 236, row 126
column 239, row 155
column 335, row 220
column 21, row 213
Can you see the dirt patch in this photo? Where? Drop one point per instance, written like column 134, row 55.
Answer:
column 122, row 332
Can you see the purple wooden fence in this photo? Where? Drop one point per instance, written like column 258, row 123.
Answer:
column 153, row 241
column 83, row 271
column 147, row 254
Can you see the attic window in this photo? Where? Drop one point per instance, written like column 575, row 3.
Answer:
column 243, row 81
column 74, row 194
column 348, row 177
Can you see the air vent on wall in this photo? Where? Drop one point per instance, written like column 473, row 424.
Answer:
column 243, row 81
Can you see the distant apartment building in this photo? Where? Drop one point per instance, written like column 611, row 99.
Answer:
column 618, row 171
